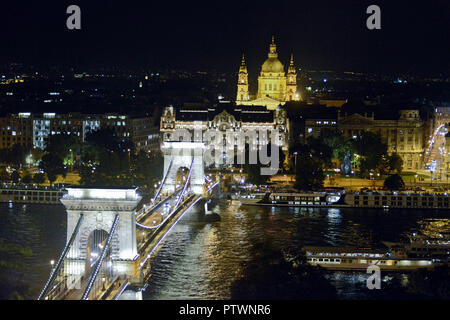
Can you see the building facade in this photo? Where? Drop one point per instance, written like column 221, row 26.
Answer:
column 228, row 121
column 31, row 130
column 403, row 131
column 275, row 87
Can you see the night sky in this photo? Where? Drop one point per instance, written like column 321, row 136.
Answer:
column 324, row 35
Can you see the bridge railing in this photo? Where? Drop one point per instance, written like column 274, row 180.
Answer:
column 176, row 204
column 144, row 212
column 185, row 207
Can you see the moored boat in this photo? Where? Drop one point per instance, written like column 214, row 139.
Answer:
column 314, row 199
column 395, row 257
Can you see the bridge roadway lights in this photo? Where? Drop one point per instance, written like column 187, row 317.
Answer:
column 99, row 207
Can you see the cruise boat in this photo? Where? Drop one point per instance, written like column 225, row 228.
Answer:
column 397, row 200
column 31, row 194
column 396, row 257
column 314, row 199
column 384, row 200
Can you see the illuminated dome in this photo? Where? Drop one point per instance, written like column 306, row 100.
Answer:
column 272, row 65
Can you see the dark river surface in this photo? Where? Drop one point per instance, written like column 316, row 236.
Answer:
column 202, row 260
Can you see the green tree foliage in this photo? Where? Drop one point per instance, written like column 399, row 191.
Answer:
column 15, row 176
column 14, row 156
column 61, row 144
column 4, row 176
column 39, row 178
column 320, row 150
column 52, row 165
column 37, row 154
column 371, row 151
column 392, row 164
column 109, row 160
column 27, row 178
column 271, row 275
column 147, row 168
column 254, row 175
column 394, row 182
column 12, row 285
column 105, row 159
column 309, row 173
column 339, row 145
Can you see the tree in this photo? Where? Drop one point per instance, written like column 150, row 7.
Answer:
column 320, row 150
column 392, row 163
column 60, row 144
column 106, row 159
column 52, row 165
column 27, row 178
column 147, row 169
column 309, row 173
column 254, row 175
column 4, row 176
column 371, row 151
column 253, row 171
column 39, row 178
column 37, row 154
column 394, row 182
column 14, row 156
column 15, row 176
column 340, row 146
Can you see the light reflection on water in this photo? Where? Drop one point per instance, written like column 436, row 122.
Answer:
column 202, row 260
column 214, row 253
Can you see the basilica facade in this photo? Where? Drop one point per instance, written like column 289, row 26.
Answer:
column 274, row 86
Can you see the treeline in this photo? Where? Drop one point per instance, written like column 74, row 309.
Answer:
column 364, row 154
column 103, row 159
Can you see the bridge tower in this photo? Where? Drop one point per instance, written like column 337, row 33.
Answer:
column 99, row 207
column 182, row 154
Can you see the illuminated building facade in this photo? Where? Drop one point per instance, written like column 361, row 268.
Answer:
column 29, row 130
column 274, row 86
column 404, row 132
column 224, row 119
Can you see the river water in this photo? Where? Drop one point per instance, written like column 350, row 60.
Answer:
column 202, row 260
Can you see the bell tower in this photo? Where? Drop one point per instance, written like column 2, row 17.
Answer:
column 291, row 82
column 242, row 87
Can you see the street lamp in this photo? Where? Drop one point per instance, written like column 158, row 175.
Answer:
column 103, row 280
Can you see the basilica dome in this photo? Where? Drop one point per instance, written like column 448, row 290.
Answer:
column 272, row 65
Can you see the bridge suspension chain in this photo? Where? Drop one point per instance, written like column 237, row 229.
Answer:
column 163, row 181
column 64, row 252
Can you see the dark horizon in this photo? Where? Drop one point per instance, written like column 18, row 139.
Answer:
column 322, row 35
